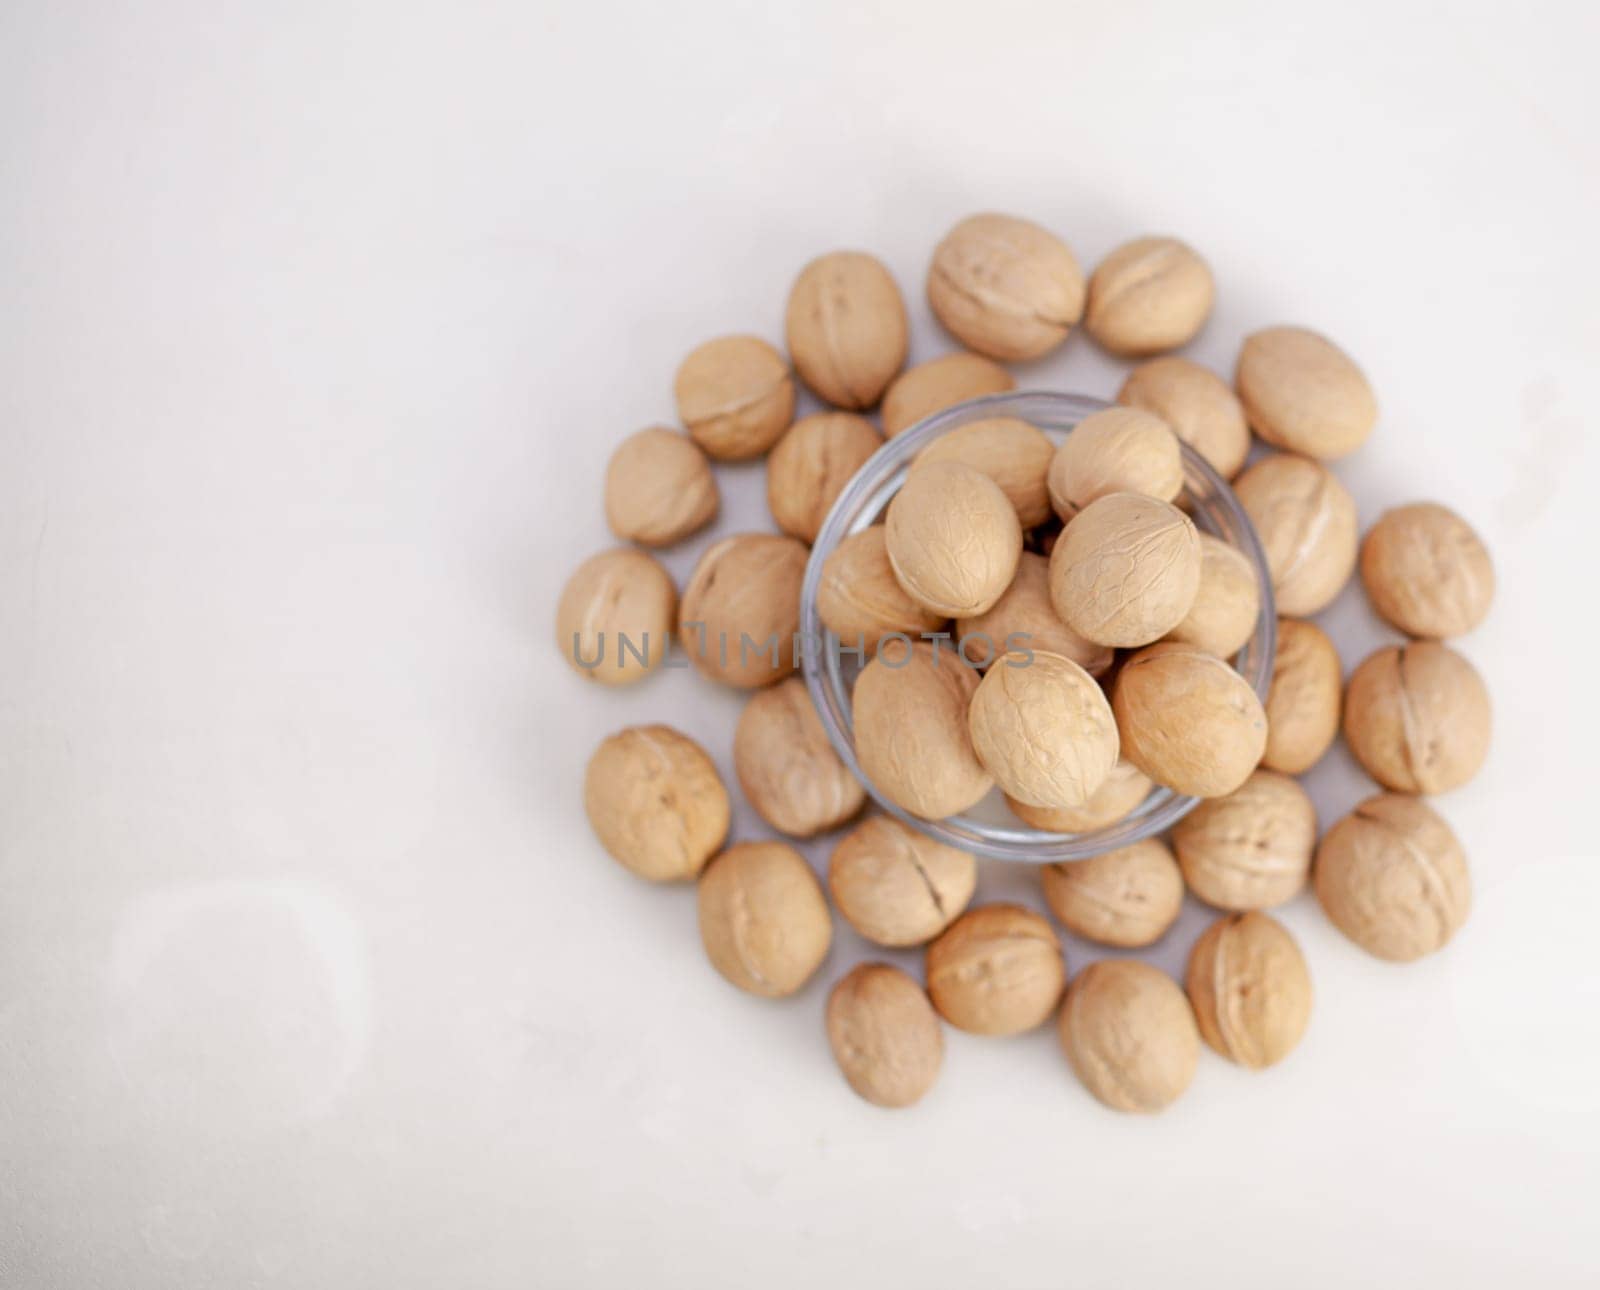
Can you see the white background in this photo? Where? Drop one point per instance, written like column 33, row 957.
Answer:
column 318, row 320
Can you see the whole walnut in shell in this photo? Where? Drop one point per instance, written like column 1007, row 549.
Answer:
column 1005, row 287
column 614, row 618
column 1011, row 452
column 659, row 488
column 847, row 329
column 884, row 1035
column 741, row 609
column 656, row 802
column 1124, row 788
column 896, row 886
column 953, row 538
column 1227, row 603
column 997, row 970
column 1042, row 727
column 1251, row 849
column 1023, row 619
column 861, row 601
column 1126, row 570
column 1303, row 703
column 811, row 465
column 735, row 396
column 1417, row 718
column 1197, row 404
column 1303, row 393
column 940, row 383
column 1250, row 989
column 1392, row 877
column 910, row 712
column 1306, row 521
column 1129, row 1035
column 786, row 766
column 1188, row 720
column 1128, row 897
column 1119, row 450
column 763, row 918
column 1150, row 294
column 1427, row 572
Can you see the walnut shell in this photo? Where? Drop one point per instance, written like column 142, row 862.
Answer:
column 847, row 329
column 861, row 601
column 614, row 618
column 656, row 802
column 1128, row 897
column 659, row 488
column 1151, row 294
column 1024, row 619
column 997, row 970
column 1427, row 572
column 1126, row 570
column 1120, row 450
column 898, row 887
column 1392, row 877
column 1306, row 521
column 940, row 383
column 763, row 918
column 1124, row 788
column 1011, row 452
column 1042, row 727
column 810, row 466
column 787, row 767
column 1250, row 989
column 1129, row 1035
column 1226, row 606
column 1304, row 700
column 744, row 594
column 953, row 538
column 910, row 713
column 1303, row 393
column 1417, row 718
column 1251, row 849
column 885, row 1035
column 1188, row 720
column 1197, row 404
column 735, row 396
column 1005, row 287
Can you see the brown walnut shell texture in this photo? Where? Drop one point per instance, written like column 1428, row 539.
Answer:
column 659, row 488
column 735, row 396
column 1011, row 452
column 614, row 618
column 898, row 887
column 1306, row 521
column 1126, row 570
column 1427, row 571
column 1118, row 450
column 910, row 712
column 1304, row 701
column 1197, row 404
column 1128, row 898
column 1149, row 295
column 1251, row 849
column 810, row 466
column 1227, row 603
column 885, row 1035
column 787, row 767
column 997, row 970
column 940, row 383
column 745, row 586
column 656, row 802
column 1417, row 717
column 1129, row 1035
column 1303, row 393
column 1124, row 788
column 1250, row 988
column 861, row 601
column 1005, row 287
column 953, row 538
column 763, row 918
column 1025, row 617
column 1392, row 877
column 846, row 327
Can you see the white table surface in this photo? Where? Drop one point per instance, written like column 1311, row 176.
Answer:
column 318, row 321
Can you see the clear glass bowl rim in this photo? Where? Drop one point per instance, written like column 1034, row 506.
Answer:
column 861, row 504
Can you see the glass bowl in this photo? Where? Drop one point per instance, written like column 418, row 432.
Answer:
column 989, row 829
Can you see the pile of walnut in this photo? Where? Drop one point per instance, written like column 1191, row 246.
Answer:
column 1082, row 549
